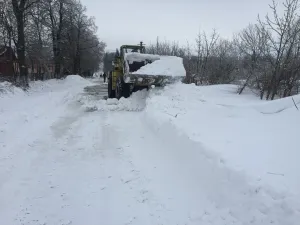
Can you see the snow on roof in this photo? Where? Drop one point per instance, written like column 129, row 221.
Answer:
column 161, row 65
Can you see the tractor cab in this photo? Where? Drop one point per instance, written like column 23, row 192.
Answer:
column 135, row 64
column 132, row 48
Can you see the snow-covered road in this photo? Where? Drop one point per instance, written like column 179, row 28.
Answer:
column 64, row 164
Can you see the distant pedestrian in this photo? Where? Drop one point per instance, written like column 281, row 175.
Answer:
column 104, row 77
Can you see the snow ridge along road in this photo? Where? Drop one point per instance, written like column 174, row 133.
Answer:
column 69, row 156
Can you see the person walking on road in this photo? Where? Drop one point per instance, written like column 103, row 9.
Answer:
column 104, row 77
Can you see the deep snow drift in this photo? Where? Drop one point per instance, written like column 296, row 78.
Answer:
column 257, row 137
column 6, row 88
column 178, row 155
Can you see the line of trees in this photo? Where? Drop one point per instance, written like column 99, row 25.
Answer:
column 264, row 56
column 107, row 61
column 50, row 34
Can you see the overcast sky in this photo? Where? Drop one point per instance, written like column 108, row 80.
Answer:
column 131, row 21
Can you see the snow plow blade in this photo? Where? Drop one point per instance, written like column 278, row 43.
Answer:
column 148, row 80
column 146, row 69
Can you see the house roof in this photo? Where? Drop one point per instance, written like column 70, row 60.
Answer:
column 5, row 49
column 2, row 50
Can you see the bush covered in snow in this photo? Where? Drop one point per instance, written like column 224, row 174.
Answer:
column 9, row 88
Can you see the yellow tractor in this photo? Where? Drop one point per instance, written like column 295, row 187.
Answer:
column 125, row 77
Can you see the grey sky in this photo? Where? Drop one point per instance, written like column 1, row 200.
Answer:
column 130, row 21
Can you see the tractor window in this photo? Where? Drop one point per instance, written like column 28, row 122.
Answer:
column 127, row 50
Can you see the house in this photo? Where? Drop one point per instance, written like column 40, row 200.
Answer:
column 8, row 64
column 37, row 68
column 40, row 69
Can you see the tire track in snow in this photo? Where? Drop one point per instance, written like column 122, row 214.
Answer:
column 83, row 177
column 143, row 202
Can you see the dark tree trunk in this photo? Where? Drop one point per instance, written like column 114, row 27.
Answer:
column 77, row 60
column 56, row 39
column 76, row 68
column 57, row 61
column 19, row 9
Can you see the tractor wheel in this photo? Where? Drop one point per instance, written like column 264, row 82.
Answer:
column 122, row 89
column 111, row 92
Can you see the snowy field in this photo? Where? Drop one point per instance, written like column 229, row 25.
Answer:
column 181, row 155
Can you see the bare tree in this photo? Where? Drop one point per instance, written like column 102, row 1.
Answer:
column 282, row 34
column 204, row 47
column 20, row 8
column 50, row 32
column 166, row 48
column 252, row 44
column 7, row 24
column 222, row 63
column 39, row 53
column 56, row 10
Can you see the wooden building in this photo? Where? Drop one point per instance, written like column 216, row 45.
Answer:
column 8, row 64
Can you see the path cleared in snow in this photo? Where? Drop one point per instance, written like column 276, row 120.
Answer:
column 68, row 157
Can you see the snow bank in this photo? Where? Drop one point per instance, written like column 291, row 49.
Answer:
column 259, row 151
column 136, row 102
column 14, row 100
column 235, row 195
column 237, row 128
column 6, row 88
column 279, row 105
column 70, row 82
column 76, row 79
